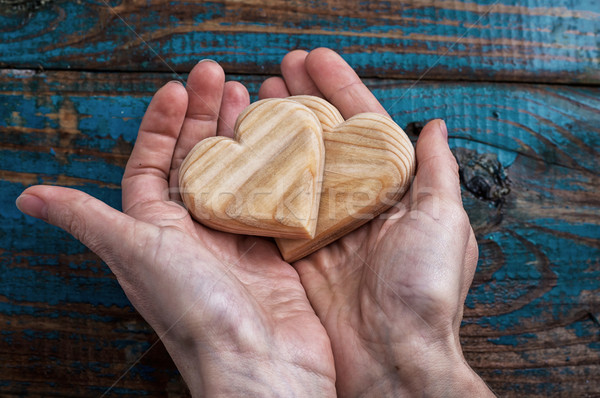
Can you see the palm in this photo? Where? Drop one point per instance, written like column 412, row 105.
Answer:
column 377, row 285
column 216, row 287
column 241, row 290
column 259, row 283
column 343, row 282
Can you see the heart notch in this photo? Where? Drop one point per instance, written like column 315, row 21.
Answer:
column 298, row 172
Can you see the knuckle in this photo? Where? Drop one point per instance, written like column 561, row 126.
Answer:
column 453, row 165
column 73, row 220
column 455, row 217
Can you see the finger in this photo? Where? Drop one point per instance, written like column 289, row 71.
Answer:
column 295, row 75
column 147, row 170
column 437, row 170
column 273, row 87
column 340, row 84
column 109, row 233
column 205, row 90
column 235, row 100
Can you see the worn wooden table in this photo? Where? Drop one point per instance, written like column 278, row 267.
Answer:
column 517, row 84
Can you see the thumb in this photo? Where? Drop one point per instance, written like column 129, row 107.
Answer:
column 106, row 231
column 437, row 170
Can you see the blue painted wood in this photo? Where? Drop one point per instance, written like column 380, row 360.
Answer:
column 554, row 40
column 528, row 156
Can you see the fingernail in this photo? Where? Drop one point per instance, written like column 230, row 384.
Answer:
column 207, row 60
column 444, row 128
column 176, row 81
column 32, row 206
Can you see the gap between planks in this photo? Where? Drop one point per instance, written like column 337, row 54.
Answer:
column 180, row 74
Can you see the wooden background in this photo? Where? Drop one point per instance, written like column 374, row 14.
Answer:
column 517, row 82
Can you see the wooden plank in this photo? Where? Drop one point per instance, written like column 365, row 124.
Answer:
column 528, row 157
column 436, row 39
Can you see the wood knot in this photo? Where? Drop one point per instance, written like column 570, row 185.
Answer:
column 483, row 175
column 414, row 128
column 15, row 7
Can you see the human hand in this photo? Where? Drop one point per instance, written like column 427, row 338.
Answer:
column 231, row 313
column 391, row 293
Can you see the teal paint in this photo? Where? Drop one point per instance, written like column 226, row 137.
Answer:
column 7, row 336
column 513, row 340
column 527, row 122
column 76, row 166
column 44, row 286
column 505, row 157
column 564, row 53
column 35, row 334
column 588, row 230
column 477, row 116
column 585, row 328
column 480, row 112
column 143, row 372
column 521, row 118
column 42, row 310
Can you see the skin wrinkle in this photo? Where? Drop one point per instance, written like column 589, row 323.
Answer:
column 352, row 88
column 208, row 118
column 444, row 160
column 295, row 75
column 235, row 94
column 142, row 170
column 276, row 365
column 165, row 219
column 374, row 354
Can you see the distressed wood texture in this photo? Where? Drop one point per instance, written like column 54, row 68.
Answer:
column 554, row 40
column 528, row 156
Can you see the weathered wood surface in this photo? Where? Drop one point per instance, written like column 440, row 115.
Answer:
column 554, row 40
column 528, row 157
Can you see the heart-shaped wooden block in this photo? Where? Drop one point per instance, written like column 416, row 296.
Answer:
column 266, row 181
column 369, row 165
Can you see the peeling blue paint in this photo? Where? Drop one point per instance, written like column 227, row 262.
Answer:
column 513, row 340
column 542, row 124
column 576, row 54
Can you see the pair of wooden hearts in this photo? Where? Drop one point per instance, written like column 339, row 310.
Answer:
column 298, row 172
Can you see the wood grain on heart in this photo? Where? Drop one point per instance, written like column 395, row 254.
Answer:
column 266, row 181
column 369, row 164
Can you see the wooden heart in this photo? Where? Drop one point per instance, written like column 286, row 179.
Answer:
column 266, row 181
column 369, row 164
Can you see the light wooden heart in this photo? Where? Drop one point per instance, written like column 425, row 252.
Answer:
column 369, row 165
column 266, row 181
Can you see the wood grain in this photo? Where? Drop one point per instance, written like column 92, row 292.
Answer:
column 266, row 181
column 369, row 164
column 528, row 156
column 485, row 40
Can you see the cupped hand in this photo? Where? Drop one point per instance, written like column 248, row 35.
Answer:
column 234, row 316
column 391, row 293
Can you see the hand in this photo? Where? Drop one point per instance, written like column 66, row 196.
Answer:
column 391, row 293
column 231, row 313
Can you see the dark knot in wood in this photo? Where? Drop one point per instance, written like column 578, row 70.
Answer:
column 483, row 175
column 414, row 128
column 15, row 7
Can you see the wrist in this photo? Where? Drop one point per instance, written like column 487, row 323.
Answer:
column 454, row 382
column 225, row 373
column 429, row 372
